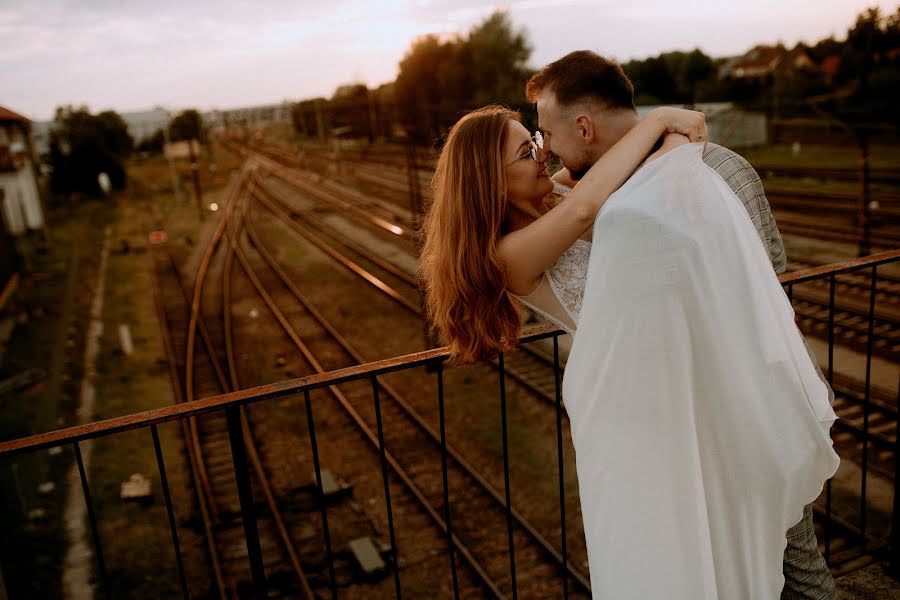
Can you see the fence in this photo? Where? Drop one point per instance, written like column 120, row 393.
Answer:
column 859, row 534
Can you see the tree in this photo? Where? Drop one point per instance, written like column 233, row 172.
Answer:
column 419, row 84
column 869, row 71
column 653, row 81
column 493, row 59
column 350, row 109
column 825, row 48
column 153, row 144
column 187, row 125
column 83, row 145
column 441, row 78
column 696, row 69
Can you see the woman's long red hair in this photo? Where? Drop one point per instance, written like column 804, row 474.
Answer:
column 464, row 279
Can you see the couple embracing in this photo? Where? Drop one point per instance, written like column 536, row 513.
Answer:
column 699, row 417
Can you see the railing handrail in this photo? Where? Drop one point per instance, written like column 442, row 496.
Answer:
column 338, row 376
column 173, row 412
column 837, row 268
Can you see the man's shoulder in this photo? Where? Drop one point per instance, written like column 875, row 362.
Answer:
column 725, row 161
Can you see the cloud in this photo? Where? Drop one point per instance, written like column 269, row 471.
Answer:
column 213, row 52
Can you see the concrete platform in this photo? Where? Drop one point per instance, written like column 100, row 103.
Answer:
column 871, row 583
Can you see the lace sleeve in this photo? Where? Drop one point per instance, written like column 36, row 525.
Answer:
column 568, row 276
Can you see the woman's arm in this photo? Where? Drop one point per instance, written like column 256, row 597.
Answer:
column 562, row 176
column 530, row 251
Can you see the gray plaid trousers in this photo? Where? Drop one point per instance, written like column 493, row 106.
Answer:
column 806, row 576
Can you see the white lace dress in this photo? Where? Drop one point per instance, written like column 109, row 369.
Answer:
column 558, row 297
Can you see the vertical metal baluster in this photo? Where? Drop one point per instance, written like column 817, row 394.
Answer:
column 323, row 508
column 831, row 286
column 440, row 381
column 387, row 487
column 895, row 516
column 170, row 511
column 245, row 496
column 866, row 397
column 559, row 455
column 92, row 519
column 509, row 522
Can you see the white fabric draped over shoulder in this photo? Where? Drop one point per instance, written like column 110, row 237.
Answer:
column 700, row 426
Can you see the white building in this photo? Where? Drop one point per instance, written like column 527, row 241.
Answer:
column 249, row 116
column 729, row 125
column 21, row 202
column 144, row 124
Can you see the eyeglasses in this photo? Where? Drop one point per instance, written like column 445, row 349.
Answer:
column 536, row 144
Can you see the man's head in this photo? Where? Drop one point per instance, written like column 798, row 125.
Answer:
column 585, row 104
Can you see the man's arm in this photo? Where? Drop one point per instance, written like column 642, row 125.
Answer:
column 742, row 178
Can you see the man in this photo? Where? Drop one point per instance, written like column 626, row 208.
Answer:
column 585, row 104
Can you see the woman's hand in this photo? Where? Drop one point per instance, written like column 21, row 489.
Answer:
column 679, row 120
column 550, row 201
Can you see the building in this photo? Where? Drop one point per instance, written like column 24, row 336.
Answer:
column 143, row 125
column 250, row 116
column 21, row 200
column 762, row 61
column 728, row 124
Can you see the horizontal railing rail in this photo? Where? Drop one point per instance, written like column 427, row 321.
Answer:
column 243, row 397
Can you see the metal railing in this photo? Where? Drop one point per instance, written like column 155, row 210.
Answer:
column 865, row 537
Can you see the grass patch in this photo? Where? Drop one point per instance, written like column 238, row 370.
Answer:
column 51, row 310
column 881, row 156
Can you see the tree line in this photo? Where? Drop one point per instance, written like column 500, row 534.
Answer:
column 442, row 77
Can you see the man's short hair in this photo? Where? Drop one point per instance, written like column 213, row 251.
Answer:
column 583, row 75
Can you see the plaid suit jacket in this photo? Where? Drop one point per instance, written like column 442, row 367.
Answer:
column 742, row 178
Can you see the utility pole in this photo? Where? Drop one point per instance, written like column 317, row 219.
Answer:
column 863, row 139
column 373, row 120
column 167, row 150
column 320, row 121
column 195, row 175
column 417, row 211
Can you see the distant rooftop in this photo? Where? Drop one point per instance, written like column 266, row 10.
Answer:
column 8, row 115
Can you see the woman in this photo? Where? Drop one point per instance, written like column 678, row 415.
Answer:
column 481, row 239
column 699, row 422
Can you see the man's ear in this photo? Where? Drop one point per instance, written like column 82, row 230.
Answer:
column 585, row 126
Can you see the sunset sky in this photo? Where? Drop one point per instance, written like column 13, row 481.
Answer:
column 134, row 55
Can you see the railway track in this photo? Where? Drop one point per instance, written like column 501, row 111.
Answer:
column 209, row 448
column 835, row 230
column 889, row 176
column 866, row 429
column 524, row 365
column 851, row 317
column 383, row 182
column 482, row 555
column 533, row 369
column 413, row 450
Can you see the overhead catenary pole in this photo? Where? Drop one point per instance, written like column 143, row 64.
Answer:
column 863, row 139
column 320, row 120
column 195, row 175
column 167, row 150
